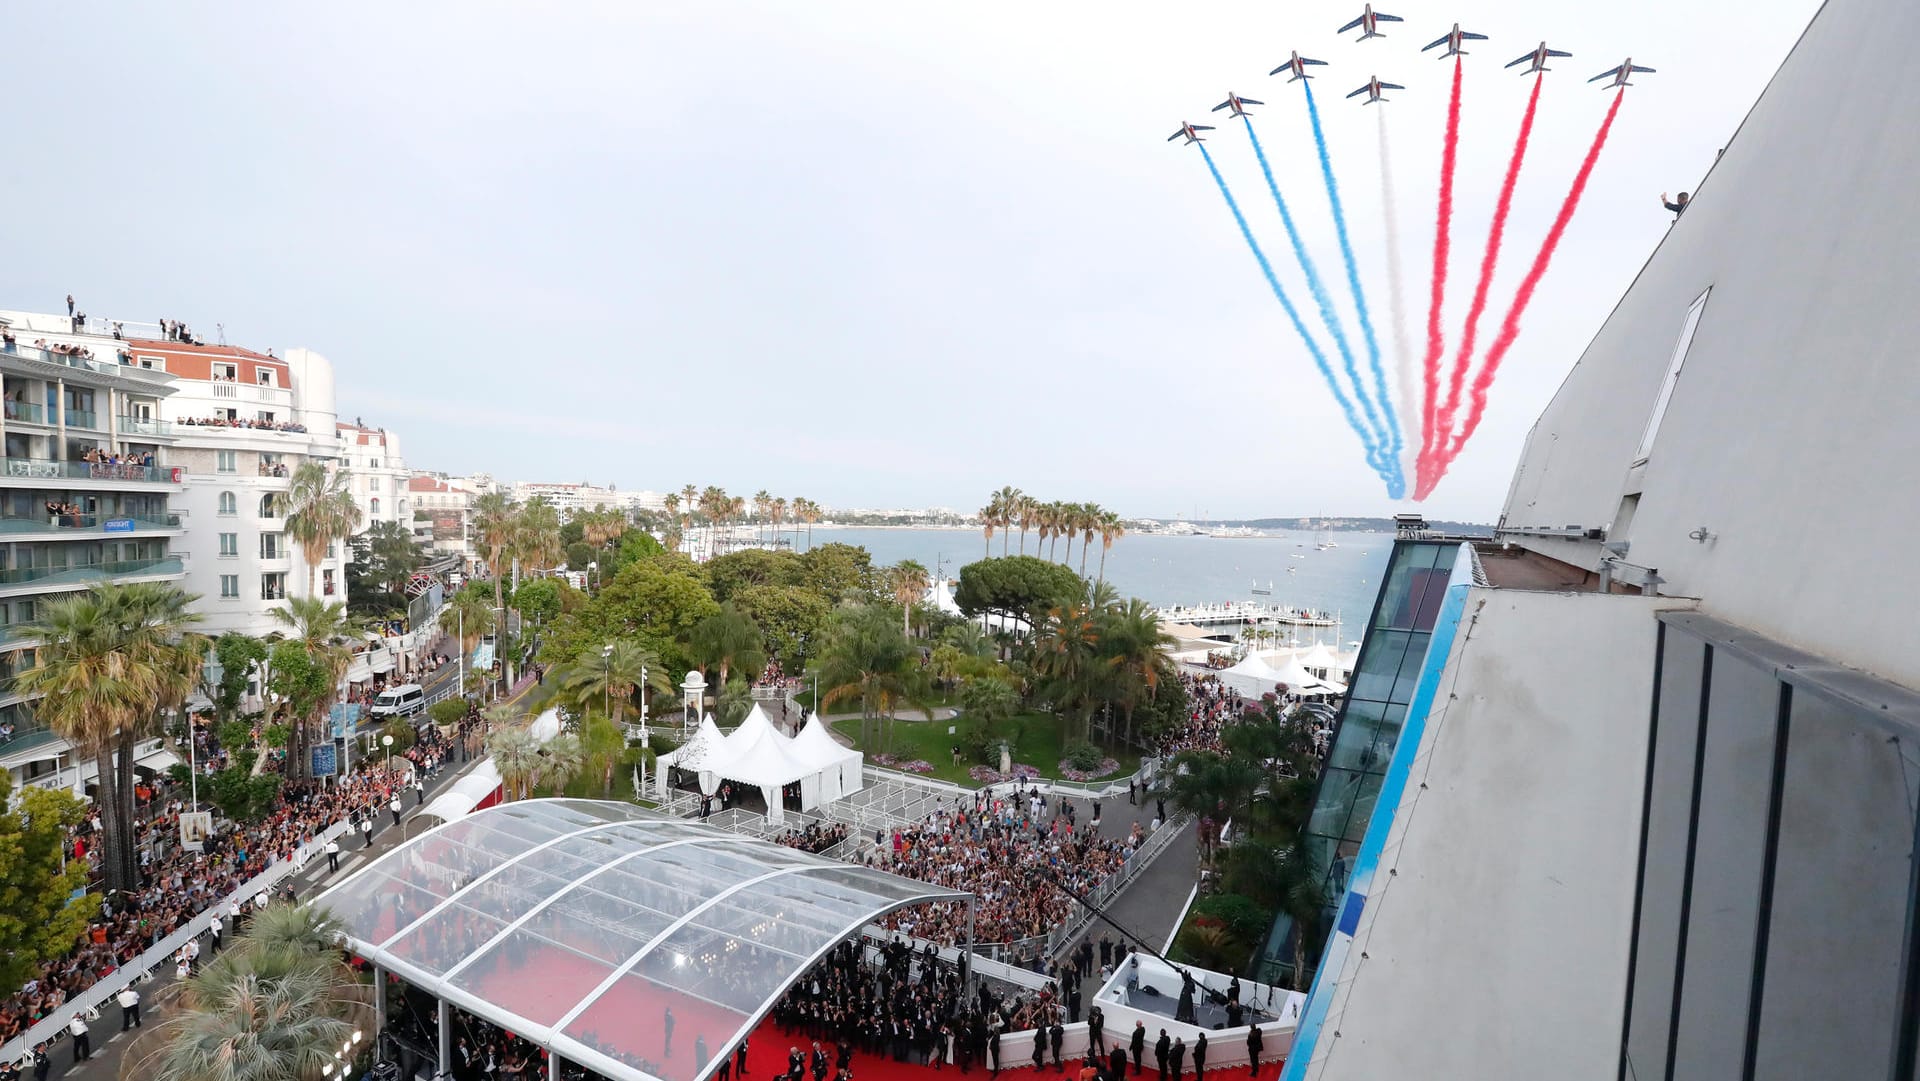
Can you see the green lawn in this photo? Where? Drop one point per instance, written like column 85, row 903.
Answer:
column 1038, row 745
column 589, row 787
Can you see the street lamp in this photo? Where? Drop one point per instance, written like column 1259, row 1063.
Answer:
column 606, row 679
column 643, row 705
column 387, row 742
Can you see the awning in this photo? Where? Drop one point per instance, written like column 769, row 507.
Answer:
column 159, row 760
column 380, row 661
column 359, row 672
column 468, row 792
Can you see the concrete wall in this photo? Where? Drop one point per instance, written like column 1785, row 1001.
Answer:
column 1494, row 943
column 1790, row 434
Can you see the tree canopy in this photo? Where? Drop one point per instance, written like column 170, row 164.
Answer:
column 43, row 906
column 1020, row 588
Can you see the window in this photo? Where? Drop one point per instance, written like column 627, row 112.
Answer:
column 373, row 507
column 329, row 549
column 273, row 587
column 229, row 544
column 265, row 375
column 265, row 416
column 23, row 611
column 1673, row 377
column 229, row 585
column 269, row 506
column 229, row 505
column 326, row 581
column 226, row 373
column 153, row 364
column 226, row 461
column 272, row 546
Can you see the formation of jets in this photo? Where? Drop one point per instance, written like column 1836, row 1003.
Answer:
column 1368, row 22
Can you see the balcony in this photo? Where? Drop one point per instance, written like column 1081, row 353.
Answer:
column 237, row 426
column 88, row 574
column 107, row 523
column 83, row 418
column 46, row 469
column 26, row 412
column 143, row 426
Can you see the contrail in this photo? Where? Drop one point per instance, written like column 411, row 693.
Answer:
column 1397, row 484
column 1443, row 425
column 1436, row 337
column 1316, row 286
column 1510, row 327
column 1313, row 347
column 1409, row 379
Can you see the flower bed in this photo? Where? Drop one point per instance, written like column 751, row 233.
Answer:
column 1107, row 768
column 904, row 765
column 989, row 775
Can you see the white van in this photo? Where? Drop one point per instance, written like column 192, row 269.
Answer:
column 403, row 701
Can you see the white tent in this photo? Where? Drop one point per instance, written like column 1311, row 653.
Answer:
column 756, row 753
column 1252, row 677
column 1321, row 659
column 842, row 769
column 476, row 789
column 939, row 596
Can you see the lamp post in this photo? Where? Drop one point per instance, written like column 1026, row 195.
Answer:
column 606, row 679
column 643, row 705
column 387, row 742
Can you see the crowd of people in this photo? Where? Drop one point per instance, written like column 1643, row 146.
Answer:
column 815, row 838
column 891, row 1001
column 244, row 422
column 1210, row 706
column 96, row 456
column 178, row 884
column 1013, row 851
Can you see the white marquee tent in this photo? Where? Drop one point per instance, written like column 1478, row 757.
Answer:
column 756, row 753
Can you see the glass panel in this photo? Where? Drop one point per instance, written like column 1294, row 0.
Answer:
column 374, row 904
column 449, row 937
column 1735, row 784
column 1677, row 726
column 1338, row 790
column 629, row 1024
column 1408, row 677
column 1364, row 797
column 1846, row 834
column 1357, row 729
column 1399, row 596
column 1380, row 665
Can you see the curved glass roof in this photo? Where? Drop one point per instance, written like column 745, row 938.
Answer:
column 579, row 924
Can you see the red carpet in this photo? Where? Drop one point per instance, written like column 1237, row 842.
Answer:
column 767, row 1061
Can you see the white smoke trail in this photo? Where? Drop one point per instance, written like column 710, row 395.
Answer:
column 1409, row 375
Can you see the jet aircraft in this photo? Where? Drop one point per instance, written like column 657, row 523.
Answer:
column 1372, row 90
column 1237, row 103
column 1298, row 65
column 1369, row 23
column 1538, row 58
column 1191, row 131
column 1453, row 39
column 1620, row 74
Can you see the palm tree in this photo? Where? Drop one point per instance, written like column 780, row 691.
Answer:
column 325, row 630
column 866, row 657
column 105, row 660
column 516, row 755
column 279, row 1005
column 1088, row 520
column 609, row 678
column 1111, row 529
column 560, row 761
column 536, row 535
column 1006, row 504
column 910, row 581
column 762, row 505
column 472, row 618
column 1025, row 507
column 1064, row 653
column 320, row 511
column 672, row 503
column 601, row 744
column 494, row 528
column 812, row 514
column 778, row 510
column 730, row 639
column 989, row 518
column 1062, row 522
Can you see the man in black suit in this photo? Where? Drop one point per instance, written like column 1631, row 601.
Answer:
column 1160, row 1048
column 1179, row 1056
column 1139, row 1045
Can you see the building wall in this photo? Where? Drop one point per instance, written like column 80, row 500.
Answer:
column 1789, row 436
column 1492, row 945
column 379, row 477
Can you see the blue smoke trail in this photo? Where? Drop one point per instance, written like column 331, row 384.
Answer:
column 1319, row 290
column 1313, row 347
column 1397, row 486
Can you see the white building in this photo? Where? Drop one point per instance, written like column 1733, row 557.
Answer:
column 90, row 492
column 569, row 499
column 1638, row 798
column 378, row 472
column 242, row 423
column 443, row 510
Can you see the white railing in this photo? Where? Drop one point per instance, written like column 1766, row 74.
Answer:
column 1102, row 895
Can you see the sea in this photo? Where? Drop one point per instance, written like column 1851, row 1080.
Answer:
column 1166, row 570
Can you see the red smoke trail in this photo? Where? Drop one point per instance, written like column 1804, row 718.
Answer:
column 1443, row 425
column 1510, row 327
column 1436, row 338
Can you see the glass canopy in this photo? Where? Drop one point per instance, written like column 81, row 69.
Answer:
column 584, row 925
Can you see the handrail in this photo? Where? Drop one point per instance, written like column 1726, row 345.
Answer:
column 1135, row 865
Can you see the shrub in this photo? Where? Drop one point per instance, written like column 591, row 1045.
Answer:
column 1242, row 918
column 448, row 711
column 1083, row 756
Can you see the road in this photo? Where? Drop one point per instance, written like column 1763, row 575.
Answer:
column 109, row 1043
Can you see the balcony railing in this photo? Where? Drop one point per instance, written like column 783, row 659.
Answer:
column 91, row 572
column 111, row 523
column 82, row 418
column 143, row 426
column 26, row 412
column 46, row 469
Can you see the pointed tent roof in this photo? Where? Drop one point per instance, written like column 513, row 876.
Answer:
column 1319, row 657
column 817, row 745
column 707, row 741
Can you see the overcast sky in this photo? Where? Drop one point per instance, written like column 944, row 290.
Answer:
column 870, row 253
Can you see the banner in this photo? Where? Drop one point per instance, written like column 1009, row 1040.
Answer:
column 324, row 759
column 195, row 828
column 345, row 717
